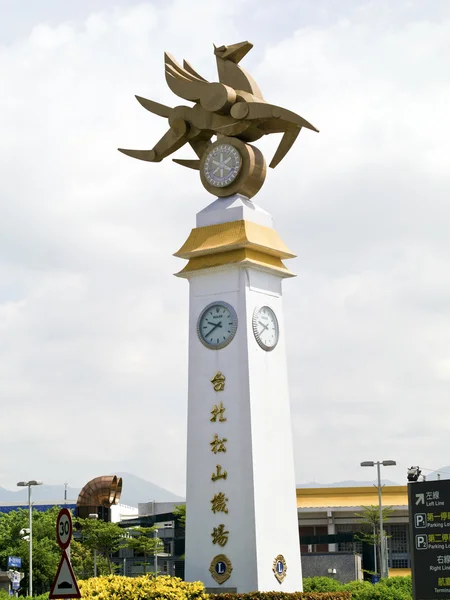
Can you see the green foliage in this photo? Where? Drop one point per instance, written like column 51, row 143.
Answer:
column 180, row 513
column 104, row 538
column 369, row 518
column 143, row 541
column 283, row 596
column 5, row 596
column 370, row 526
column 321, row 584
column 82, row 559
column 46, row 553
column 146, row 587
column 393, row 588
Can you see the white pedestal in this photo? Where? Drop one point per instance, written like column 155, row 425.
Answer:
column 260, row 485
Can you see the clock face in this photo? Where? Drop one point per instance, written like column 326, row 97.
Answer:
column 222, row 165
column 265, row 328
column 217, row 325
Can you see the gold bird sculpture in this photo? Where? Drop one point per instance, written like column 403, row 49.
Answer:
column 233, row 107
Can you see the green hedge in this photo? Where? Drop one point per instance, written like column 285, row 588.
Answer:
column 393, row 588
column 284, row 596
column 5, row 596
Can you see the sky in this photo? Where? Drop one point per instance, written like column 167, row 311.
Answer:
column 93, row 324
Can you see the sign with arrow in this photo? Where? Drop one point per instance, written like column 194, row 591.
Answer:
column 420, row 499
column 429, row 517
column 65, row 585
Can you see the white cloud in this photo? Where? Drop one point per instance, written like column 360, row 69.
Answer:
column 93, row 324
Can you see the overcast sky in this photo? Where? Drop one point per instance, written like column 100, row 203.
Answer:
column 93, row 325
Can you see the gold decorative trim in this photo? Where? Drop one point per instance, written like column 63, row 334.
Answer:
column 234, row 235
column 220, row 568
column 279, row 568
column 242, row 257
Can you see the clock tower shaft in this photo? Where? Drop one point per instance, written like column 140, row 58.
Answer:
column 241, row 522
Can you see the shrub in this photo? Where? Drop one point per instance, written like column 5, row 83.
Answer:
column 393, row 588
column 321, row 584
column 284, row 596
column 5, row 596
column 148, row 587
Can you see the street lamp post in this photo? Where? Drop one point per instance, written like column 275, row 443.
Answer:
column 383, row 557
column 28, row 484
column 155, row 555
column 95, row 517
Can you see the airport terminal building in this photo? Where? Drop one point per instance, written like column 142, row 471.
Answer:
column 328, row 525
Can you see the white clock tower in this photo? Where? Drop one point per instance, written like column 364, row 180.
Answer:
column 241, row 523
column 241, row 520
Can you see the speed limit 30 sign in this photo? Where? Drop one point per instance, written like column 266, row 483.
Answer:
column 64, row 528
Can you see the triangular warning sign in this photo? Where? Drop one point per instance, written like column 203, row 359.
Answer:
column 65, row 585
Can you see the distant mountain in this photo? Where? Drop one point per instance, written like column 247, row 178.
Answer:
column 314, row 484
column 443, row 473
column 39, row 493
column 137, row 490
column 134, row 490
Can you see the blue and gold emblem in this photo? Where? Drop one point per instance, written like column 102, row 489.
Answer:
column 220, row 568
column 279, row 568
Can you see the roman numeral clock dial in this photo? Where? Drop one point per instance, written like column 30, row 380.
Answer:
column 217, row 325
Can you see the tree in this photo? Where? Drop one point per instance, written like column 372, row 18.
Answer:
column 370, row 533
column 143, row 541
column 105, row 538
column 180, row 514
column 82, row 560
column 46, row 552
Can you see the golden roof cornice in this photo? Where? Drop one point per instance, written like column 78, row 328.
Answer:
column 241, row 257
column 234, row 235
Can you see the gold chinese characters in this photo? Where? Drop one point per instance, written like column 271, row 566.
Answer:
column 220, row 568
column 219, row 503
column 217, row 411
column 218, row 382
column 220, row 535
column 217, row 444
column 218, row 474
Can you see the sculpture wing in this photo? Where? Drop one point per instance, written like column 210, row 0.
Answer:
column 190, row 69
column 185, row 83
column 155, row 107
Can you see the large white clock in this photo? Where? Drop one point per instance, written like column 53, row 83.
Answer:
column 216, row 325
column 265, row 327
column 222, row 165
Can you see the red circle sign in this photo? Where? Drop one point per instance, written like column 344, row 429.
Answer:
column 64, row 528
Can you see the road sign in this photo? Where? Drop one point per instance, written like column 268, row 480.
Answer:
column 429, row 518
column 64, row 585
column 15, row 580
column 64, row 528
column 14, row 562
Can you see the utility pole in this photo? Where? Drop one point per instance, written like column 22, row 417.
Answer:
column 383, row 549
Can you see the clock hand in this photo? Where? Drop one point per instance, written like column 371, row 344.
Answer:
column 262, row 325
column 215, row 326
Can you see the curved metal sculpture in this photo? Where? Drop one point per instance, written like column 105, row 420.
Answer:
column 99, row 492
column 232, row 108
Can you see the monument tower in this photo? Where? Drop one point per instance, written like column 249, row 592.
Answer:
column 241, row 521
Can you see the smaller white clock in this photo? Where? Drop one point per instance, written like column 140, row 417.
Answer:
column 265, row 327
column 217, row 325
column 222, row 165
